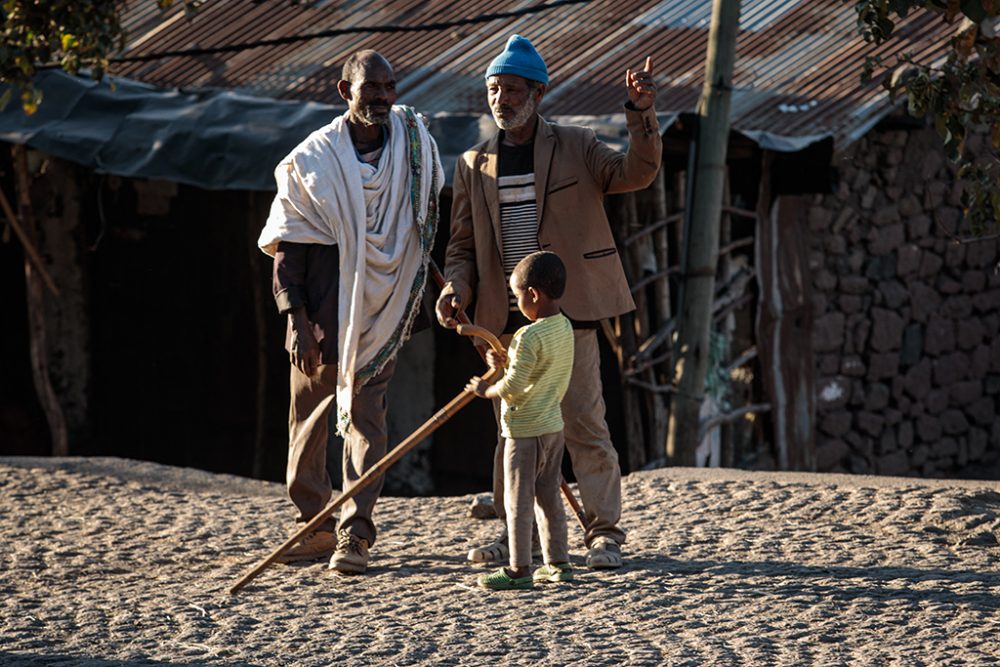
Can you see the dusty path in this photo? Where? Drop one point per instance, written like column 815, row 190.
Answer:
column 112, row 562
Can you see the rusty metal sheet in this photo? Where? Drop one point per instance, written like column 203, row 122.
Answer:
column 797, row 71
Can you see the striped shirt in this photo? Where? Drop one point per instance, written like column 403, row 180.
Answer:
column 539, row 364
column 518, row 208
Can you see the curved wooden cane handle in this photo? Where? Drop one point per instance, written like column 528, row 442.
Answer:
column 480, row 332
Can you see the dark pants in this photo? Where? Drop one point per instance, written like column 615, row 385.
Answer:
column 532, row 473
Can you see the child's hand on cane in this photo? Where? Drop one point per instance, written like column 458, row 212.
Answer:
column 496, row 359
column 477, row 386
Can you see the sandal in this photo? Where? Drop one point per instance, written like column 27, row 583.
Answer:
column 553, row 572
column 494, row 552
column 499, row 580
column 604, row 554
column 499, row 551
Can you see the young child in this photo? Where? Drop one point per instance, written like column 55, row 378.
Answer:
column 537, row 371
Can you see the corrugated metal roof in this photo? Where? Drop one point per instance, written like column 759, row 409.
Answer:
column 797, row 70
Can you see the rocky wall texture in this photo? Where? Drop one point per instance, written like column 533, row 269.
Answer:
column 907, row 331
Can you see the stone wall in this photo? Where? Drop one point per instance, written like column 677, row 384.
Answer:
column 907, row 335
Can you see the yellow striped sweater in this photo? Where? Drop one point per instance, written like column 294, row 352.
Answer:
column 539, row 363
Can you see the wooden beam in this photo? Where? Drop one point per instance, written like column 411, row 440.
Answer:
column 702, row 245
column 785, row 325
column 37, row 329
column 27, row 244
column 653, row 227
column 726, row 417
column 649, row 386
column 740, row 212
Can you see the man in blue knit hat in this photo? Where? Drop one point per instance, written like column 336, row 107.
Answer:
column 540, row 186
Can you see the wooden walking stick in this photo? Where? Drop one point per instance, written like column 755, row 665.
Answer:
column 428, row 427
column 463, row 319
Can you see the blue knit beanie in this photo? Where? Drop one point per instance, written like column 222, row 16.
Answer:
column 519, row 57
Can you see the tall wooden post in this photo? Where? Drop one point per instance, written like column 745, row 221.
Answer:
column 622, row 209
column 37, row 327
column 56, row 201
column 661, row 247
column 702, row 242
column 652, row 207
column 785, row 324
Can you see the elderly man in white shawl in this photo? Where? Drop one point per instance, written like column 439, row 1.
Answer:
column 350, row 231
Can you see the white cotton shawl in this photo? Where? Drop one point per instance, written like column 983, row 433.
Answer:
column 382, row 218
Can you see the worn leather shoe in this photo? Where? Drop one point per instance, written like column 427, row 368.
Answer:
column 312, row 547
column 351, row 556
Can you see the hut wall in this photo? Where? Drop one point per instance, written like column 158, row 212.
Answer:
column 907, row 333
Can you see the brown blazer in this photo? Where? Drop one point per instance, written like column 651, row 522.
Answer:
column 573, row 172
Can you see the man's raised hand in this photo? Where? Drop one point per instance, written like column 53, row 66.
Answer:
column 641, row 86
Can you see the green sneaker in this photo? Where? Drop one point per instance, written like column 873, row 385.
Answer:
column 499, row 580
column 553, row 572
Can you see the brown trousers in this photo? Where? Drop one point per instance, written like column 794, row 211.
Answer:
column 309, row 486
column 531, row 468
column 594, row 459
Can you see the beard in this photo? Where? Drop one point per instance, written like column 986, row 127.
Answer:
column 520, row 117
column 369, row 116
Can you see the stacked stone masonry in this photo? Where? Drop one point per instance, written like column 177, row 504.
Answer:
column 907, row 331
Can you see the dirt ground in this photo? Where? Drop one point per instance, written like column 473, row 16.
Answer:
column 115, row 562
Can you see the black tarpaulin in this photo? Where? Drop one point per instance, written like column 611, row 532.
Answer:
column 226, row 140
column 211, row 139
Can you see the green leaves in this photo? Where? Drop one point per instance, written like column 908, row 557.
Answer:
column 69, row 42
column 961, row 94
column 875, row 17
column 30, row 99
column 872, row 63
column 72, row 34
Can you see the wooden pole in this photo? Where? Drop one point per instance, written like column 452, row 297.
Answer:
column 656, row 198
column 635, row 326
column 661, row 246
column 37, row 329
column 702, row 241
column 728, row 325
column 621, row 331
column 785, row 324
column 26, row 242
